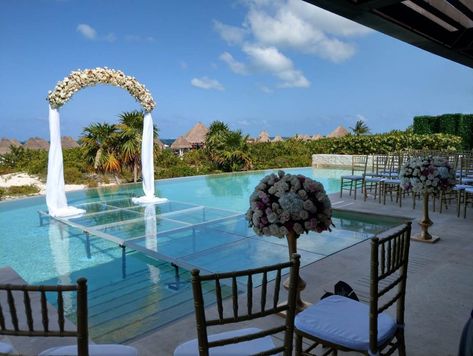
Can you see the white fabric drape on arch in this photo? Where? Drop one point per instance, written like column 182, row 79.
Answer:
column 147, row 164
column 55, row 190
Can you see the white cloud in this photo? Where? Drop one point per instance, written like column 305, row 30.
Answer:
column 287, row 28
column 272, row 60
column 231, row 34
column 233, row 64
column 110, row 37
column 266, row 89
column 87, row 31
column 183, row 65
column 207, row 83
column 138, row 38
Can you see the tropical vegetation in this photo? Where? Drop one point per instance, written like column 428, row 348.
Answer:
column 112, row 151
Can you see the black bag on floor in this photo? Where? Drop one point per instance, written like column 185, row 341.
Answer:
column 343, row 289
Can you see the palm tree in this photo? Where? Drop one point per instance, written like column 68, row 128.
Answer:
column 99, row 144
column 130, row 132
column 360, row 128
column 227, row 149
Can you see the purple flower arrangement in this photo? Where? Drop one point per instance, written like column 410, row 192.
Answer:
column 427, row 175
column 286, row 203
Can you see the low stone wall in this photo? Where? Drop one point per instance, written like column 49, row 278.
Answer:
column 332, row 160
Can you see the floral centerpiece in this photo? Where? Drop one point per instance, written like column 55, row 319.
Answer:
column 88, row 77
column 286, row 205
column 427, row 175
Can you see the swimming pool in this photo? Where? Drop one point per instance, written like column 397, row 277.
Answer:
column 131, row 293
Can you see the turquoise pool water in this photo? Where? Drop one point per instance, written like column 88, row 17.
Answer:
column 131, row 293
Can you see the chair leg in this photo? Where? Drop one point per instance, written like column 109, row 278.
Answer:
column 459, row 196
column 402, row 343
column 341, row 188
column 298, row 345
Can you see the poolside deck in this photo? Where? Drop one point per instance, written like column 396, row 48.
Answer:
column 439, row 291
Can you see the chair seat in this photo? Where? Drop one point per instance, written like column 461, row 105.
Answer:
column 392, row 181
column 469, row 190
column 374, row 179
column 191, row 348
column 467, row 180
column 352, row 177
column 343, row 321
column 94, row 350
column 5, row 348
column 461, row 186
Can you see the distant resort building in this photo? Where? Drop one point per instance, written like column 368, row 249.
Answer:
column 278, row 138
column 317, row 137
column 194, row 138
column 340, row 131
column 263, row 137
column 36, row 143
column 5, row 145
column 196, row 135
column 68, row 142
column 181, row 145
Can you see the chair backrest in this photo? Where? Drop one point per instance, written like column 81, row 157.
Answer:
column 389, row 260
column 358, row 163
column 17, row 297
column 251, row 311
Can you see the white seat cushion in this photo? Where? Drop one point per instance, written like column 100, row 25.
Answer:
column 392, row 181
column 343, row 321
column 191, row 348
column 352, row 177
column 94, row 350
column 5, row 348
column 374, row 179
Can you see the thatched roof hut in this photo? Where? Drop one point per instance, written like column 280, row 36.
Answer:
column 278, row 138
column 181, row 143
column 36, row 143
column 196, row 135
column 158, row 143
column 68, row 142
column 316, row 137
column 263, row 137
column 340, row 131
column 5, row 144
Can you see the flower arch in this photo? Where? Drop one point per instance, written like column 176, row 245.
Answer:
column 62, row 93
column 80, row 79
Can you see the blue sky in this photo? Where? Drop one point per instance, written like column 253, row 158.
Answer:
column 283, row 66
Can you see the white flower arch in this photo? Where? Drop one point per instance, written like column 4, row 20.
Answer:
column 62, row 93
column 80, row 79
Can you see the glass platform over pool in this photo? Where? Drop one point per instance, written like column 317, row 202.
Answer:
column 139, row 288
column 211, row 239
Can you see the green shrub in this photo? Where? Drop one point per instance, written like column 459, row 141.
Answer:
column 453, row 124
column 72, row 175
column 92, row 183
column 16, row 190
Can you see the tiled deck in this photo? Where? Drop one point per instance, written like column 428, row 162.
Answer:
column 439, row 290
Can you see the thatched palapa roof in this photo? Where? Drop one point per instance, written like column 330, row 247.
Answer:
column 36, row 143
column 196, row 135
column 316, row 137
column 263, row 137
column 278, row 138
column 181, row 143
column 158, row 143
column 340, row 131
column 68, row 142
column 5, row 144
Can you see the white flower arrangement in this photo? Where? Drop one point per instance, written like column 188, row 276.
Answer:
column 89, row 77
column 427, row 175
column 282, row 203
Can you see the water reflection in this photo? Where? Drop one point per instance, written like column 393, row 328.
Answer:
column 229, row 185
column 59, row 244
column 151, row 241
